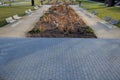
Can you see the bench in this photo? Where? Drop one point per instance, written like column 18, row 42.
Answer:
column 16, row 17
column 117, row 4
column 94, row 12
column 36, row 7
column 2, row 4
column 113, row 21
column 107, row 18
column 39, row 6
column 10, row 20
column 27, row 12
column 85, row 8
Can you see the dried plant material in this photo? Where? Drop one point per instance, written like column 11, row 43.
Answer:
column 41, row 28
column 71, row 29
column 62, row 28
column 62, row 20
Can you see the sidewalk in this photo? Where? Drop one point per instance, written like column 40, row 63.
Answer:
column 20, row 28
column 101, row 28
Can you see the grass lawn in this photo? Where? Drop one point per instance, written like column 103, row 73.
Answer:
column 10, row 11
column 113, row 12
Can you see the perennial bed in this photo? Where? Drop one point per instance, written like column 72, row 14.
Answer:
column 61, row 21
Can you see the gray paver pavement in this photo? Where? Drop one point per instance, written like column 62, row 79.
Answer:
column 59, row 59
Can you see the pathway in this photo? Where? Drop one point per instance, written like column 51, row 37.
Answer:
column 20, row 28
column 101, row 28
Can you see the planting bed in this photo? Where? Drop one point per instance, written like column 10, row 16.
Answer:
column 61, row 21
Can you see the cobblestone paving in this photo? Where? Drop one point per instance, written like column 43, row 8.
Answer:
column 59, row 59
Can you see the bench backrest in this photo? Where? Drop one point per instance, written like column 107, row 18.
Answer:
column 117, row 3
column 15, row 16
column 26, row 12
column 36, row 7
column 29, row 10
column 94, row 12
column 113, row 21
column 0, row 3
column 9, row 19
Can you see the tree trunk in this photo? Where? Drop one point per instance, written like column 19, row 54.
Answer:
column 9, row 2
column 41, row 2
column 111, row 3
column 32, row 2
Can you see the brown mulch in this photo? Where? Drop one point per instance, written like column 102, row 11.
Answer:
column 61, row 21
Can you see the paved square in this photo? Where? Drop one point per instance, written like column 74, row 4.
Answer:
column 59, row 59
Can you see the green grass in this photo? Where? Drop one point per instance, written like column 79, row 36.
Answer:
column 113, row 12
column 16, row 8
column 10, row 11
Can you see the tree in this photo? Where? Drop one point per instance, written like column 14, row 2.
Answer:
column 32, row 2
column 110, row 3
